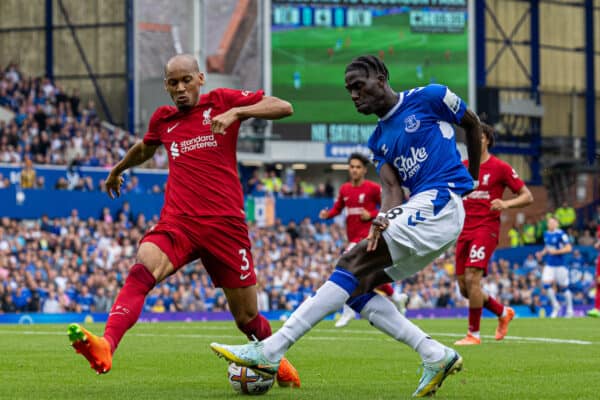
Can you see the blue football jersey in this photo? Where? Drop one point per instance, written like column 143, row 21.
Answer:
column 555, row 240
column 416, row 137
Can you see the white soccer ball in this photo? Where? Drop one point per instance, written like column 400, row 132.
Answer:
column 246, row 381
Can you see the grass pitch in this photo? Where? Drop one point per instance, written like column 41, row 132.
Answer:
column 442, row 58
column 541, row 359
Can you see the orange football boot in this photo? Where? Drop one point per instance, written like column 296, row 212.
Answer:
column 503, row 322
column 287, row 375
column 468, row 340
column 95, row 349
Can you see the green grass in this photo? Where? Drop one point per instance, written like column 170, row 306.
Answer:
column 173, row 361
column 322, row 97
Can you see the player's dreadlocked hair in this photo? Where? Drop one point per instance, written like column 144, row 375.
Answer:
column 369, row 63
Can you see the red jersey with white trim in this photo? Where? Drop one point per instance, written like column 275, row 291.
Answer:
column 368, row 196
column 203, row 178
column 495, row 175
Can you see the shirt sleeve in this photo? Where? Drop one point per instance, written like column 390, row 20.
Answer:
column 339, row 204
column 152, row 136
column 377, row 199
column 377, row 156
column 512, row 179
column 445, row 103
column 239, row 98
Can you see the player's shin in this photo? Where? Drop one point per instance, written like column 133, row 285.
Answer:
column 128, row 305
column 383, row 315
column 329, row 298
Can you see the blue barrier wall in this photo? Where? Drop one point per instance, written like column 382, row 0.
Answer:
column 59, row 203
column 147, row 178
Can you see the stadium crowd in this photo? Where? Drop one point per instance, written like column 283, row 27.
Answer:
column 69, row 264
column 51, row 126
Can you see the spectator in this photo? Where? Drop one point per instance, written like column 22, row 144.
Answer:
column 514, row 236
column 586, row 239
column 28, row 175
column 566, row 216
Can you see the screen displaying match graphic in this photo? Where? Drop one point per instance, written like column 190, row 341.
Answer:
column 313, row 41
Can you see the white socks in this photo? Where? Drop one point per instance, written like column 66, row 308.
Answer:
column 552, row 297
column 569, row 300
column 383, row 315
column 329, row 298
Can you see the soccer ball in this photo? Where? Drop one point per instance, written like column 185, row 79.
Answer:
column 246, row 381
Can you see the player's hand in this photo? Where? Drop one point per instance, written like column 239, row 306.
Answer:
column 219, row 123
column 324, row 214
column 113, row 185
column 365, row 215
column 380, row 224
column 498, row 205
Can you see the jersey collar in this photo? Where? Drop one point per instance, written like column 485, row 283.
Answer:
column 395, row 108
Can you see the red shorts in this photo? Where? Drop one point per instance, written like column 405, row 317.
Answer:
column 221, row 243
column 598, row 267
column 474, row 249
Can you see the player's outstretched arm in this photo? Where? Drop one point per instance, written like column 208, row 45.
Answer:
column 268, row 108
column 524, row 198
column 137, row 154
column 470, row 123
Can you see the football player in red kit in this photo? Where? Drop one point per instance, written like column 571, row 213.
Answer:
column 361, row 198
column 203, row 213
column 595, row 312
column 479, row 236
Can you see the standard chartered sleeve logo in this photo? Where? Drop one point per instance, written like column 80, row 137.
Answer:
column 174, row 150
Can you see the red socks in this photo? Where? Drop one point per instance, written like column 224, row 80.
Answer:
column 129, row 303
column 387, row 289
column 259, row 327
column 493, row 305
column 474, row 319
column 597, row 301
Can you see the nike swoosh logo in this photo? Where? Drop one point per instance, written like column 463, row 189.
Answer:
column 244, row 276
column 169, row 129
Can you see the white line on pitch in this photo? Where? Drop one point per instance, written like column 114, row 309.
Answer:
column 516, row 339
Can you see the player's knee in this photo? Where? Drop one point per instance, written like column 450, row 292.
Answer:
column 154, row 260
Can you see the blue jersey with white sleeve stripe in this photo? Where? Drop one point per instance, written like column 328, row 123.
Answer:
column 416, row 137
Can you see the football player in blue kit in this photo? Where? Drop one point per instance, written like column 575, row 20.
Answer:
column 556, row 246
column 413, row 147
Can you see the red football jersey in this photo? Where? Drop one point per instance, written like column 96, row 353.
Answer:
column 495, row 175
column 203, row 178
column 355, row 198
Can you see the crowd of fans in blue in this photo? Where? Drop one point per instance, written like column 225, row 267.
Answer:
column 69, row 264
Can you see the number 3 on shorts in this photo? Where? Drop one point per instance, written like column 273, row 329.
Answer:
column 245, row 261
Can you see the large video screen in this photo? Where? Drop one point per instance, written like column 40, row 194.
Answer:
column 421, row 42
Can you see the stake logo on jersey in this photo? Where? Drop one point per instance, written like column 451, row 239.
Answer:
column 416, row 137
column 410, row 165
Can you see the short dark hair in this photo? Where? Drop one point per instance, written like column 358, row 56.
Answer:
column 369, row 63
column 488, row 131
column 360, row 157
